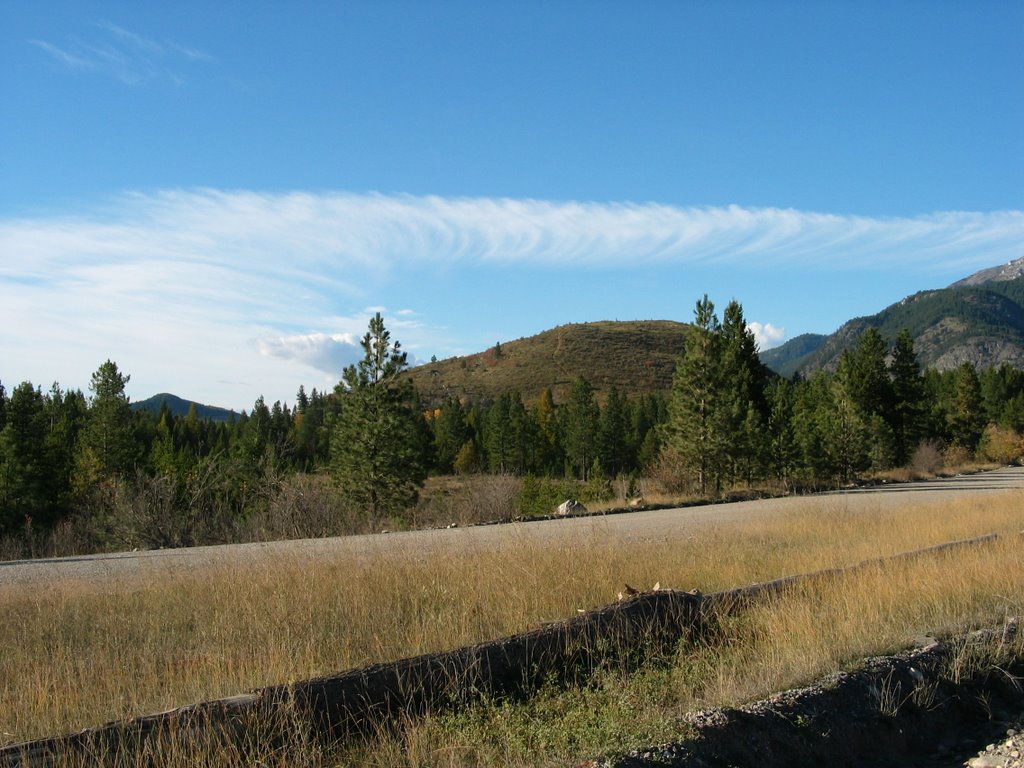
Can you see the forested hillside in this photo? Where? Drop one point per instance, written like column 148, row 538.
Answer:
column 87, row 472
column 977, row 322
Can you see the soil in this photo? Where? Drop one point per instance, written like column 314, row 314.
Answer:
column 900, row 710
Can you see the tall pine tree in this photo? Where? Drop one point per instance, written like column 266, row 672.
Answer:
column 377, row 456
column 697, row 423
column 107, row 445
column 908, row 397
column 580, row 427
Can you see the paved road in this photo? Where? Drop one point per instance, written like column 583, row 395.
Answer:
column 654, row 525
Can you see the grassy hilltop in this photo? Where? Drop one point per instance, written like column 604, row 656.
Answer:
column 634, row 356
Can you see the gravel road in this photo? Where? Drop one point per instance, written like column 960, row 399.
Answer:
column 653, row 525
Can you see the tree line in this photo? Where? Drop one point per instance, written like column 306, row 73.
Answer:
column 727, row 422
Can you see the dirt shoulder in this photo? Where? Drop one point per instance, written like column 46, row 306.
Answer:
column 903, row 710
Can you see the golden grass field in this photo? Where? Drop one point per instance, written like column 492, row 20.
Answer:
column 76, row 654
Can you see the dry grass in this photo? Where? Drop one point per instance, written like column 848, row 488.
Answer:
column 79, row 654
column 781, row 643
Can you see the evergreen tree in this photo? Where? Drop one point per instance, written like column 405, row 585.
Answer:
column 967, row 415
column 865, row 378
column 908, row 403
column 830, row 429
column 647, row 414
column 580, row 424
column 1000, row 386
column 309, row 431
column 939, row 393
column 65, row 414
column 301, row 399
column 782, row 450
column 376, row 455
column 108, row 448
column 548, row 456
column 450, row 433
column 743, row 397
column 499, row 436
column 697, row 425
column 25, row 491
column 813, row 398
column 163, row 454
column 613, row 447
column 846, row 434
column 280, row 437
column 252, row 443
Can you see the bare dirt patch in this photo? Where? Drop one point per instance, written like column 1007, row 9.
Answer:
column 935, row 706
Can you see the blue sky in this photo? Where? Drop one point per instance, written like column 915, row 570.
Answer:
column 218, row 196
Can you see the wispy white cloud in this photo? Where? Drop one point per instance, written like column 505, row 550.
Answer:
column 237, row 285
column 69, row 60
column 377, row 232
column 124, row 55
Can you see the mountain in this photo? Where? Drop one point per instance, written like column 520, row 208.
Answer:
column 1011, row 270
column 180, row 407
column 634, row 356
column 979, row 319
column 794, row 353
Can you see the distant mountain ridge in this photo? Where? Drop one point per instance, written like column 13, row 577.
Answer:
column 180, row 407
column 979, row 319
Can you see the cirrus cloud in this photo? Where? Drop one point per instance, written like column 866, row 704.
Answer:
column 243, row 286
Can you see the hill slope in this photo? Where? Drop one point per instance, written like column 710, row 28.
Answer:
column 634, row 356
column 979, row 320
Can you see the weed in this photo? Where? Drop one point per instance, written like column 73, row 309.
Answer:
column 76, row 654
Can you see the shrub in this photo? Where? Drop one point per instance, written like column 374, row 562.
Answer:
column 1001, row 445
column 542, row 495
column 467, row 500
column 927, row 458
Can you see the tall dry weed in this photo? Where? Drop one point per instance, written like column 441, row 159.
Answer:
column 77, row 654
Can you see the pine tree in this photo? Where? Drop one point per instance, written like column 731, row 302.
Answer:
column 548, row 457
column 65, row 414
column 782, row 445
column 499, row 436
column 865, row 378
column 108, row 448
column 846, row 434
column 376, row 453
column 24, row 470
column 612, row 430
column 908, row 403
column 450, row 434
column 580, row 424
column 743, row 397
column 967, row 417
column 697, row 425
